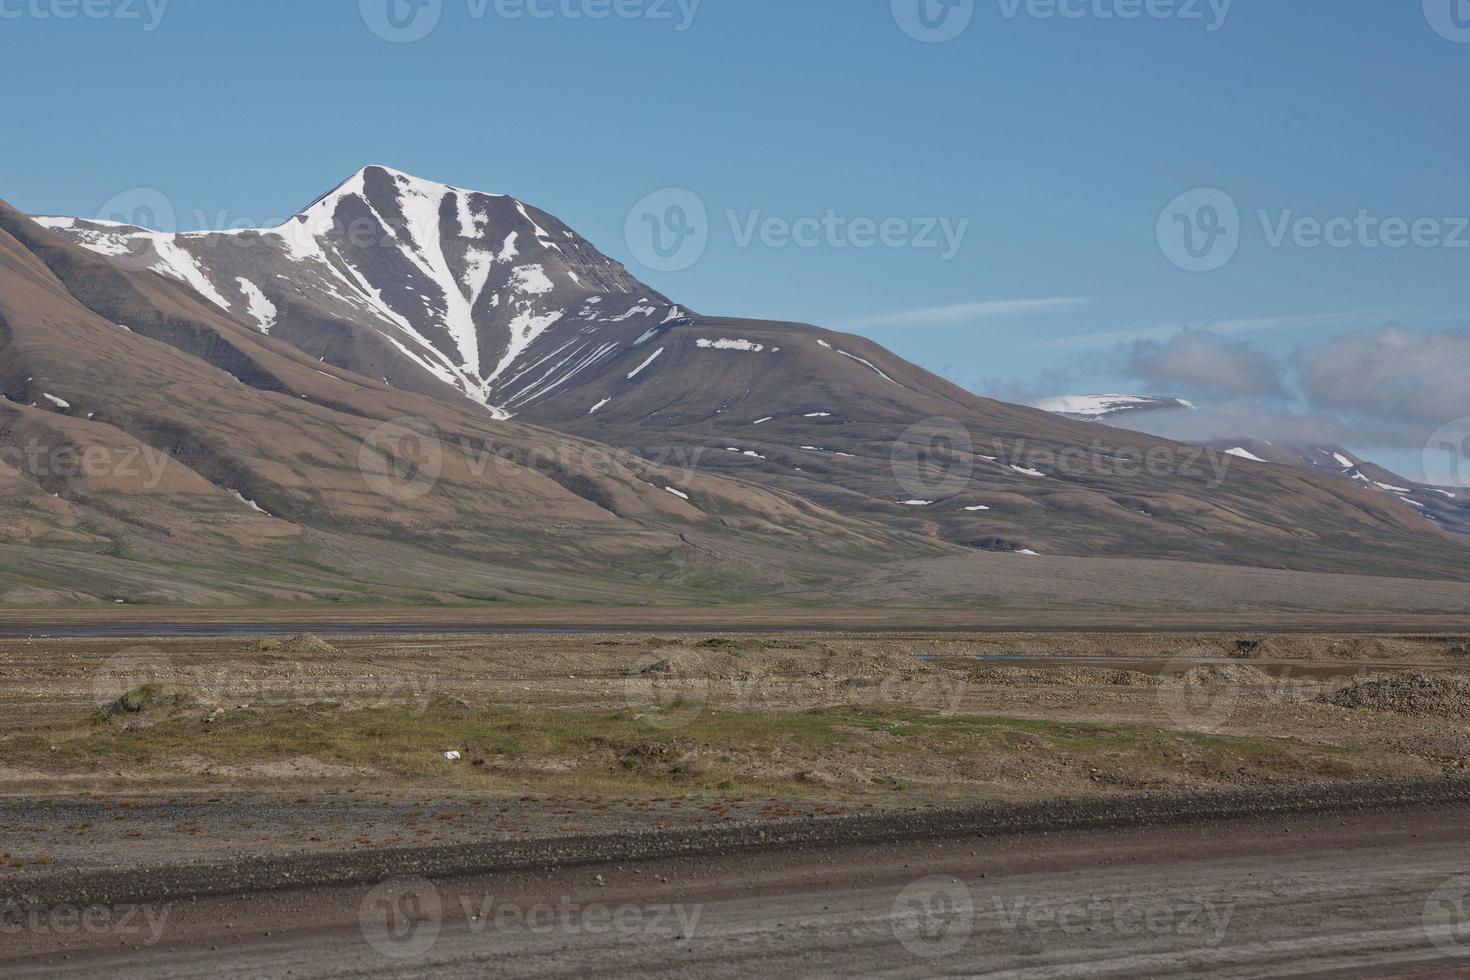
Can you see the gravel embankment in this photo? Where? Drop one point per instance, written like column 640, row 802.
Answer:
column 264, row 875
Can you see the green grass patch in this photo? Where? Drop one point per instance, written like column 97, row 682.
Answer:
column 716, row 750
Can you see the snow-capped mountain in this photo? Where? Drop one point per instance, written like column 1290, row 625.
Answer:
column 1096, row 408
column 1448, row 508
column 417, row 283
column 391, row 287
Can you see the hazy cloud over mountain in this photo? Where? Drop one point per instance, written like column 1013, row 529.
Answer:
column 1199, row 359
column 1393, row 375
column 1387, row 388
column 1235, row 418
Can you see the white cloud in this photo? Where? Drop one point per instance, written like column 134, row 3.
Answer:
column 938, row 316
column 1200, row 359
column 1220, row 328
column 1393, row 374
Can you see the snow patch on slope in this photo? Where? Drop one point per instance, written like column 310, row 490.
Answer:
column 1101, row 406
column 248, row 502
column 870, row 364
column 741, row 345
column 639, row 369
column 260, row 309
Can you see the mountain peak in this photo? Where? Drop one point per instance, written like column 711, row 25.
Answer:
column 434, row 285
column 377, row 175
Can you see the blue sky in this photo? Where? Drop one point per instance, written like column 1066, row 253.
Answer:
column 1054, row 142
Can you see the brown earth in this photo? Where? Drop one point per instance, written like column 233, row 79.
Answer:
column 241, row 746
column 274, row 477
column 159, row 451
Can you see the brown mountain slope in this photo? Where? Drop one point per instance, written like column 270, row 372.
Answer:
column 430, row 287
column 846, row 423
column 452, row 292
column 157, row 449
column 1448, row 508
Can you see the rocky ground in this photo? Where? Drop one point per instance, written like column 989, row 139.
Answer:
column 121, row 753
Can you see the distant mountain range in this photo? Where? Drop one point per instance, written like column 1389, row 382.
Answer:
column 1449, row 508
column 590, row 438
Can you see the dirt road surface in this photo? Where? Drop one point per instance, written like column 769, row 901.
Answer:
column 1375, row 894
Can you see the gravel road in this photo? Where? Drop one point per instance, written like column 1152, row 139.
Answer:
column 1354, row 881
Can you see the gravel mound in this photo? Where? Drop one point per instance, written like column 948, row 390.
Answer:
column 301, row 643
column 1223, row 675
column 1419, row 695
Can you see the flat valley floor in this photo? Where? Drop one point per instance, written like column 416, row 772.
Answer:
column 159, row 773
